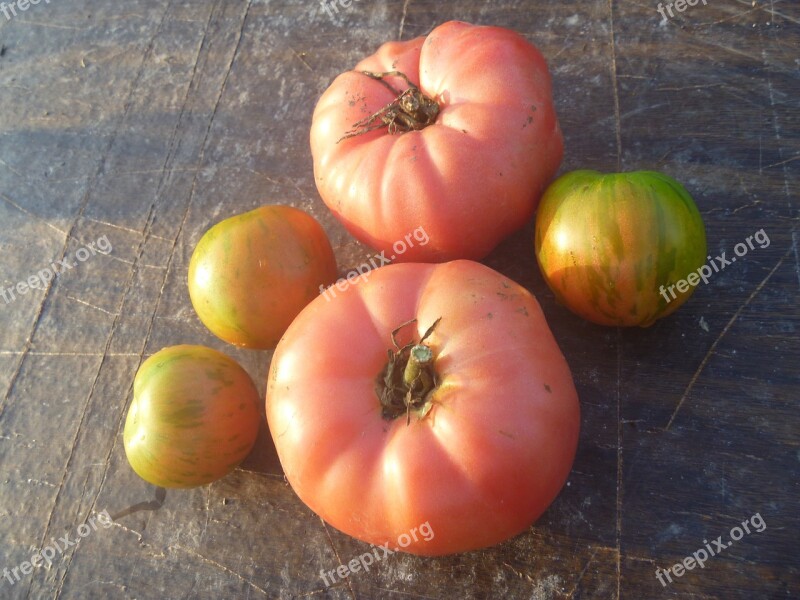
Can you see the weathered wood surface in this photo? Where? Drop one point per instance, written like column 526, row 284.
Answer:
column 147, row 121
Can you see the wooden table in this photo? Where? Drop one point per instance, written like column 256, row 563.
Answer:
column 144, row 122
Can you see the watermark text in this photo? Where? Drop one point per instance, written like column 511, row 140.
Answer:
column 718, row 263
column 700, row 556
column 419, row 235
column 9, row 10
column 332, row 6
column 48, row 553
column 369, row 558
column 46, row 275
column 680, row 6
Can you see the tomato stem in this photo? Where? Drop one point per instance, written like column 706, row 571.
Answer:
column 406, row 382
column 411, row 110
column 420, row 356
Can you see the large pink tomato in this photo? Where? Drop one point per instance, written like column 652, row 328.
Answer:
column 426, row 407
column 454, row 132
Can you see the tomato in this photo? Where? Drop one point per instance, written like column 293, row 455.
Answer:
column 193, row 418
column 251, row 274
column 610, row 246
column 465, row 153
column 488, row 435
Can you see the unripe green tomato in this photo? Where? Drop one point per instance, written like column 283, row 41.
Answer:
column 618, row 249
column 193, row 418
column 251, row 274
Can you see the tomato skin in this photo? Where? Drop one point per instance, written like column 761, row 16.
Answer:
column 193, row 418
column 486, row 460
column 251, row 274
column 471, row 178
column 606, row 244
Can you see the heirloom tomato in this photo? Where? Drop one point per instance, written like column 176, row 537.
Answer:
column 613, row 247
column 251, row 274
column 193, row 418
column 454, row 132
column 424, row 394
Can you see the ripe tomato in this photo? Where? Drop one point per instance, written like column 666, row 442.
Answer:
column 490, row 431
column 251, row 274
column 465, row 153
column 193, row 418
column 609, row 246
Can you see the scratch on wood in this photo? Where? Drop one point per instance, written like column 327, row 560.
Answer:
column 725, row 329
column 783, row 162
column 403, row 19
column 615, row 86
column 641, row 109
column 777, row 129
column 640, row 558
column 401, row 593
column 755, row 203
column 50, row 25
column 79, row 301
column 32, row 215
column 42, row 353
column 336, row 554
column 571, row 593
column 734, row 16
column 301, row 58
column 220, row 567
column 133, row 531
column 9, row 167
column 120, row 227
column 618, row 528
column 519, row 574
column 316, row 592
column 264, row 175
column 208, row 512
column 188, row 169
column 689, row 87
column 111, row 583
column 733, row 50
column 299, row 189
column 771, row 10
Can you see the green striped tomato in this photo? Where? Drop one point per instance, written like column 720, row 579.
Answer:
column 193, row 418
column 251, row 274
column 607, row 243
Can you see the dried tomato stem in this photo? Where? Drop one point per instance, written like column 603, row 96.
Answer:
column 406, row 382
column 411, row 110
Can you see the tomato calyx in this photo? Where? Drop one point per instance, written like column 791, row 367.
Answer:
column 406, row 382
column 411, row 110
